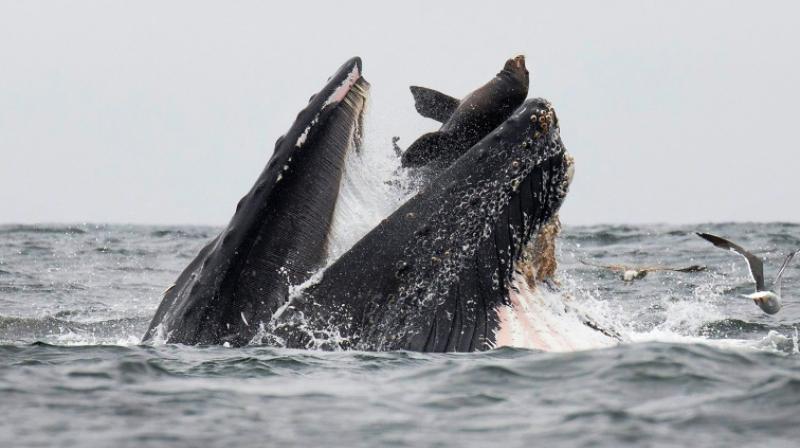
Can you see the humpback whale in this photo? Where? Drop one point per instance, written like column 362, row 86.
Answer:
column 278, row 234
column 436, row 274
column 466, row 121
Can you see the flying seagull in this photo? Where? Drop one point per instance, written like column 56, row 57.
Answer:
column 768, row 300
column 631, row 273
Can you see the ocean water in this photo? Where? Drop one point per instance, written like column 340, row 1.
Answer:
column 699, row 365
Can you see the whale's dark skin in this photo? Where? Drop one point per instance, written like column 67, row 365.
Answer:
column 467, row 121
column 278, row 235
column 432, row 275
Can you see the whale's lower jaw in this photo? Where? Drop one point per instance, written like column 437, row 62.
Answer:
column 278, row 234
column 538, row 316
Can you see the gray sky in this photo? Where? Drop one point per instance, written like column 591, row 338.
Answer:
column 165, row 112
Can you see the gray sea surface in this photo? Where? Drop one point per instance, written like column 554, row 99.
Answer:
column 700, row 365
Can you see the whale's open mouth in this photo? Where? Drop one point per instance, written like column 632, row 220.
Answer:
column 437, row 275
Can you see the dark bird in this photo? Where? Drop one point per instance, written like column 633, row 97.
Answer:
column 631, row 273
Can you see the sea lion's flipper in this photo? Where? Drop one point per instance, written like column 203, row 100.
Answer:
column 432, row 104
column 430, row 147
column 397, row 151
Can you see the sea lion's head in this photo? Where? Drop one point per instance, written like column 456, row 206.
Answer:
column 515, row 67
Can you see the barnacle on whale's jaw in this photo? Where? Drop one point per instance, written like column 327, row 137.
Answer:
column 544, row 119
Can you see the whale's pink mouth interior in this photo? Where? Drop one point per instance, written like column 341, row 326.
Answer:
column 538, row 319
column 339, row 94
column 344, row 87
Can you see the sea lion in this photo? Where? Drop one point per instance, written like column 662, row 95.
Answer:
column 466, row 121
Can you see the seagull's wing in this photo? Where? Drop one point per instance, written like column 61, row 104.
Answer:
column 613, row 267
column 692, row 268
column 779, row 277
column 755, row 263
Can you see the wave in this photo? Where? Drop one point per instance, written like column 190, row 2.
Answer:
column 122, row 251
column 119, row 331
column 182, row 233
column 41, row 229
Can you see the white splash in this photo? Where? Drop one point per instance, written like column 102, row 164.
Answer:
column 369, row 192
column 72, row 338
column 160, row 335
column 296, row 290
column 684, row 320
column 545, row 320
